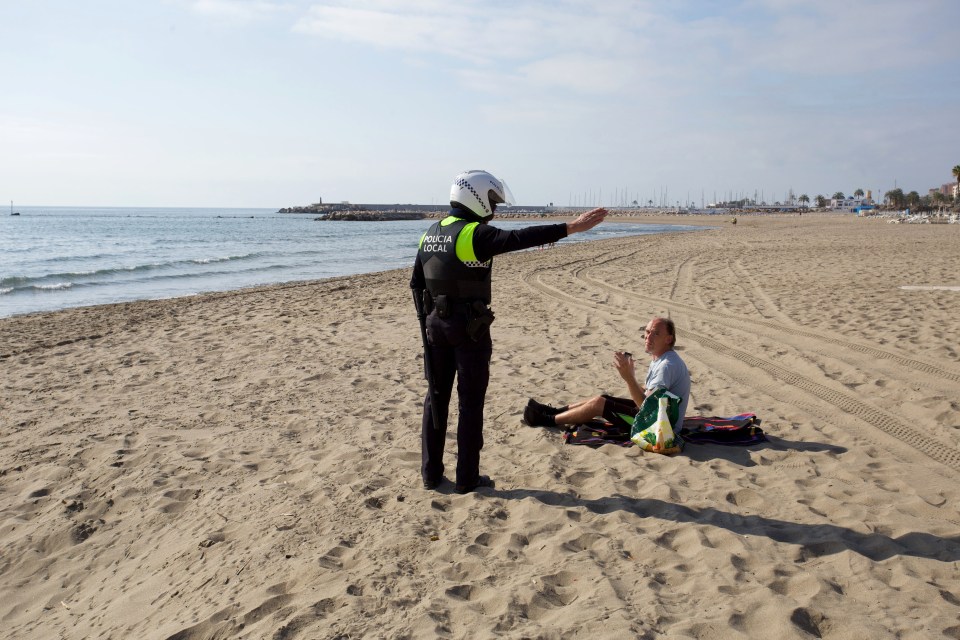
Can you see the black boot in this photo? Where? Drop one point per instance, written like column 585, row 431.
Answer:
column 534, row 416
column 546, row 409
column 482, row 482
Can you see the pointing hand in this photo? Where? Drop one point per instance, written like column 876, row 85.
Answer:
column 587, row 221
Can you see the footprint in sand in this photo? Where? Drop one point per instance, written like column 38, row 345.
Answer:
column 581, row 543
column 580, row 478
column 339, row 557
column 553, row 591
column 465, row 592
column 482, row 544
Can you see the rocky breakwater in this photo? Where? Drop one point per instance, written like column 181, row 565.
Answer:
column 373, row 216
column 367, row 212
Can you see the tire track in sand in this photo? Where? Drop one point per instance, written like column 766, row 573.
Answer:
column 872, row 416
column 760, row 299
column 711, row 315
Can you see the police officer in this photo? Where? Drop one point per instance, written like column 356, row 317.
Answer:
column 451, row 283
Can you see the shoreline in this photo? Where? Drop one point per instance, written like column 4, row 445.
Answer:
column 246, row 463
column 136, row 308
column 68, row 298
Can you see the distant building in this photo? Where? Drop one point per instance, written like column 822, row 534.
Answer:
column 948, row 189
column 850, row 204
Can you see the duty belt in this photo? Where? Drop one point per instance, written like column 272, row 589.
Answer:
column 446, row 306
column 479, row 315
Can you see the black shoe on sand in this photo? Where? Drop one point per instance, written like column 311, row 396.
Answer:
column 546, row 409
column 534, row 416
column 482, row 481
column 430, row 485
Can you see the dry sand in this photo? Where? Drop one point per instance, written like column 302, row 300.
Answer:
column 246, row 465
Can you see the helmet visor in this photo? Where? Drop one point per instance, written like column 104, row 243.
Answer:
column 508, row 198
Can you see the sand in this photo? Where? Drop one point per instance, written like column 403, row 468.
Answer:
column 246, row 464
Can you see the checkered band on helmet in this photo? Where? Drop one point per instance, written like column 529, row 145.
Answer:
column 463, row 184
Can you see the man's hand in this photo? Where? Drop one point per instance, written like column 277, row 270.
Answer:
column 586, row 221
column 626, row 367
column 623, row 362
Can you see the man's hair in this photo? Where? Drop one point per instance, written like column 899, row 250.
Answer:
column 671, row 330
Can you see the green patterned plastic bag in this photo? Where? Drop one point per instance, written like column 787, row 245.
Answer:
column 654, row 422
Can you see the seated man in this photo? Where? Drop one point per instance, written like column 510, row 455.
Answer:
column 667, row 371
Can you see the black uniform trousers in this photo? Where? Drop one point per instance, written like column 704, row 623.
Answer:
column 454, row 354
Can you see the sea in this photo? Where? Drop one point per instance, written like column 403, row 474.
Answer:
column 55, row 258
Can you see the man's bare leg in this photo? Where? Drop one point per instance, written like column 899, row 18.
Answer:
column 582, row 411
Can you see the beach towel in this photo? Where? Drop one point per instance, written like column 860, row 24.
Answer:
column 597, row 433
column 739, row 430
column 742, row 429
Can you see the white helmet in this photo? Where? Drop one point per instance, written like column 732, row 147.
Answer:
column 479, row 192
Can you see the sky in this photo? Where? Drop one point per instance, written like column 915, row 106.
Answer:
column 273, row 103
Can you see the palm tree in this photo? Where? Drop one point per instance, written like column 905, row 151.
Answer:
column 858, row 194
column 804, row 199
column 956, row 174
column 913, row 199
column 838, row 195
column 895, row 197
column 821, row 201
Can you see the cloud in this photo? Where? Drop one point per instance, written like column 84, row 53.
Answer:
column 580, row 72
column 241, row 11
column 573, row 74
column 387, row 29
column 626, row 47
column 830, row 38
column 477, row 31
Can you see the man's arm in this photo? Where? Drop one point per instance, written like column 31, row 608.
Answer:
column 488, row 241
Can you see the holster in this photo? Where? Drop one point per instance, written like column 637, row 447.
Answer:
column 443, row 305
column 479, row 319
column 427, row 302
